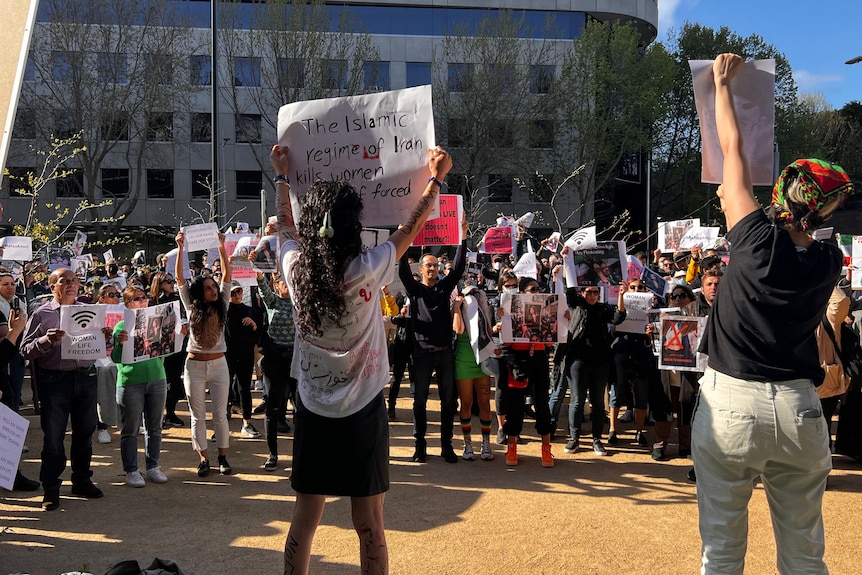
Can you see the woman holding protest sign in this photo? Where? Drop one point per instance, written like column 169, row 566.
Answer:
column 206, row 367
column 341, row 363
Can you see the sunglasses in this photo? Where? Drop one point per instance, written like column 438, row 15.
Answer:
column 113, row 294
column 532, row 289
column 679, row 296
column 510, row 286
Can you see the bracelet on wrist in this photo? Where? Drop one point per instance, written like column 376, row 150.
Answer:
column 281, row 178
column 436, row 181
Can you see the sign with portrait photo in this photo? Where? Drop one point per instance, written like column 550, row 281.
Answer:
column 605, row 264
column 155, row 332
column 533, row 318
column 680, row 338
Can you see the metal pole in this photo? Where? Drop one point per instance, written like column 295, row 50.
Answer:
column 217, row 184
column 648, row 193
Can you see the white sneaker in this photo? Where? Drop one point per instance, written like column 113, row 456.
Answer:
column 249, row 431
column 134, row 479
column 468, row 452
column 486, row 454
column 155, row 475
column 105, row 437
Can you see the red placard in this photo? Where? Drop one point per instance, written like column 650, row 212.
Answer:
column 497, row 241
column 445, row 230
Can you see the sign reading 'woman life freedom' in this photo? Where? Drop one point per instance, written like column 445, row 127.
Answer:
column 378, row 143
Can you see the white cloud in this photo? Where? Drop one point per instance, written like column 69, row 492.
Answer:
column 666, row 16
column 810, row 82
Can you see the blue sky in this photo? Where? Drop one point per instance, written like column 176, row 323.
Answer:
column 816, row 36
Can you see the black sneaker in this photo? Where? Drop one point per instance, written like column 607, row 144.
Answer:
column 260, row 408
column 448, row 454
column 51, row 499
column 612, row 438
column 640, row 438
column 271, row 463
column 87, row 490
column 419, row 456
column 658, row 453
column 204, row 468
column 175, row 420
column 390, row 414
column 598, row 448
column 691, row 475
column 571, row 446
column 24, row 483
column 223, row 466
column 283, row 426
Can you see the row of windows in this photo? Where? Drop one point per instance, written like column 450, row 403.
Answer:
column 247, row 72
column 116, row 183
column 397, row 20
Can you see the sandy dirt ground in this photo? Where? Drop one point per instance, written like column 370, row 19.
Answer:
column 589, row 515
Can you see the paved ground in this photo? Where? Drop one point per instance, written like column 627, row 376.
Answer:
column 589, row 515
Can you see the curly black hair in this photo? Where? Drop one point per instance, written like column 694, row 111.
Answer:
column 318, row 276
column 205, row 319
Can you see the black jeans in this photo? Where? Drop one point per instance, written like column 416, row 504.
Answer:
column 401, row 358
column 443, row 363
column 241, row 366
column 65, row 395
column 278, row 387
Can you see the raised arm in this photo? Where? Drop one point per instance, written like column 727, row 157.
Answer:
column 736, row 192
column 439, row 162
column 278, row 157
column 226, row 266
column 179, row 272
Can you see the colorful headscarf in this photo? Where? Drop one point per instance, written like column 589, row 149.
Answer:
column 820, row 182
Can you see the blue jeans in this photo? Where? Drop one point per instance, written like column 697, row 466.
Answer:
column 585, row 377
column 64, row 395
column 17, row 369
column 742, row 429
column 145, row 400
column 443, row 362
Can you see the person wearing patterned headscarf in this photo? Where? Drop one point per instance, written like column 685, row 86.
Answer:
column 758, row 413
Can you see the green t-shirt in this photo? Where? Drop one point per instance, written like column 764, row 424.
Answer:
column 135, row 373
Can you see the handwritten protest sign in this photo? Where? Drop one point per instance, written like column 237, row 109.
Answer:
column 754, row 103
column 13, row 431
column 155, row 332
column 376, row 142
column 83, row 325
column 445, row 230
column 497, row 241
column 372, row 237
column 17, row 248
column 201, row 237
column 704, row 237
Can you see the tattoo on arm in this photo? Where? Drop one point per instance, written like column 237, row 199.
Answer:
column 422, row 208
column 284, row 215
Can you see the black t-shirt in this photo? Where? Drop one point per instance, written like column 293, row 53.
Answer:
column 770, row 301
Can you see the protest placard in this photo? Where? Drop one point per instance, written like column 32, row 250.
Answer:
column 58, row 258
column 17, row 248
column 637, row 304
column 856, row 262
column 155, row 332
column 376, row 142
column 680, row 338
column 670, row 234
column 13, row 431
column 200, row 237
column 108, row 256
column 654, row 282
column 602, row 264
column 497, row 241
column 83, row 325
column 754, row 103
column 526, row 264
column 553, row 242
column 446, row 229
column 583, row 239
column 634, row 267
column 78, row 243
column 238, row 246
column 171, row 263
column 372, row 237
column 699, row 236
column 533, row 318
column 113, row 314
column 267, row 251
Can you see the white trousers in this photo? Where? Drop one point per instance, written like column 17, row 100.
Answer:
column 742, row 429
column 197, row 378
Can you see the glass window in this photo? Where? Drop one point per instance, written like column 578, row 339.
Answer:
column 25, row 124
column 541, row 78
column 541, row 133
column 201, row 182
column 64, row 125
column 115, row 182
column 248, row 128
column 160, row 68
column 455, row 136
column 72, row 186
column 540, row 188
column 200, row 70
column 334, row 74
column 418, row 74
column 246, row 72
column 503, row 76
column 202, row 129
column 502, row 134
column 112, row 68
column 160, row 183
column 116, row 128
column 248, row 184
column 499, row 188
column 460, row 77
column 61, row 67
column 376, row 76
column 30, row 69
column 457, row 184
column 291, row 72
column 17, row 181
column 160, row 127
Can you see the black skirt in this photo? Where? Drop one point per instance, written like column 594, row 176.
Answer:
column 346, row 456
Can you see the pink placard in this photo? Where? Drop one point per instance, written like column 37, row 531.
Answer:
column 497, row 241
column 445, row 230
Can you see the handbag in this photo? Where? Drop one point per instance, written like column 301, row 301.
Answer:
column 850, row 355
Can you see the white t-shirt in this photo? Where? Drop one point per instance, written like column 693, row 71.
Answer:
column 341, row 371
column 224, row 296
